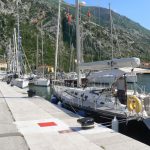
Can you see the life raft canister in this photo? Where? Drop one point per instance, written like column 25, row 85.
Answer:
column 134, row 103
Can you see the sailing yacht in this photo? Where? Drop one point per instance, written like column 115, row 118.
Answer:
column 18, row 78
column 41, row 81
column 103, row 101
column 21, row 81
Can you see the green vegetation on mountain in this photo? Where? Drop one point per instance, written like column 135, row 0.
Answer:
column 40, row 17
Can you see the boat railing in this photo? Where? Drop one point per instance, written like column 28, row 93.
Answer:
column 101, row 85
column 73, row 83
column 146, row 103
column 58, row 82
column 137, row 88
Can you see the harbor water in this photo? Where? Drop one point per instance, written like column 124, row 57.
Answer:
column 42, row 91
column 144, row 82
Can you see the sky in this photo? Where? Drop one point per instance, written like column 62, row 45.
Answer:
column 136, row 10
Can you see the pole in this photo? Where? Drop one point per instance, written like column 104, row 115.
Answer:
column 14, row 52
column 42, row 50
column 37, row 53
column 78, row 43
column 18, row 42
column 16, row 49
column 18, row 28
column 111, row 27
column 9, row 61
column 57, row 39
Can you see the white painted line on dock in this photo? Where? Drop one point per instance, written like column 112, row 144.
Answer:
column 97, row 129
column 41, row 126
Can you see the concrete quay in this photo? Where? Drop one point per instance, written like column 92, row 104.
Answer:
column 36, row 124
column 10, row 138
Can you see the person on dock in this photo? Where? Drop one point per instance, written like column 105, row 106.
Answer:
column 121, row 87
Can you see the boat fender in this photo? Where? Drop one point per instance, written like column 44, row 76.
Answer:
column 54, row 100
column 115, row 124
column 62, row 105
column 81, row 113
column 134, row 103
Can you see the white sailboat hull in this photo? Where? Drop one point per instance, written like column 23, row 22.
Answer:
column 41, row 82
column 2, row 74
column 21, row 83
column 99, row 100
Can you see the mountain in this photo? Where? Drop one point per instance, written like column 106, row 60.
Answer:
column 128, row 38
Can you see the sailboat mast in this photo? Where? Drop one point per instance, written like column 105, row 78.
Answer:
column 15, row 50
column 9, row 61
column 57, row 39
column 42, row 54
column 37, row 53
column 111, row 27
column 78, row 43
column 18, row 42
column 18, row 27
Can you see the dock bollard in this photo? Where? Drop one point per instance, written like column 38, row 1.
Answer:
column 115, row 124
column 86, row 122
column 31, row 93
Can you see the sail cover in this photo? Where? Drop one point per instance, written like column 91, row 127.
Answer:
column 111, row 64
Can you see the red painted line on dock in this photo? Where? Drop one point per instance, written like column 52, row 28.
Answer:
column 47, row 124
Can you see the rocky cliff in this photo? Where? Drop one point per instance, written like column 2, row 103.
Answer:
column 40, row 17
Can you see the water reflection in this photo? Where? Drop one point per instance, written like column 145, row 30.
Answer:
column 44, row 92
